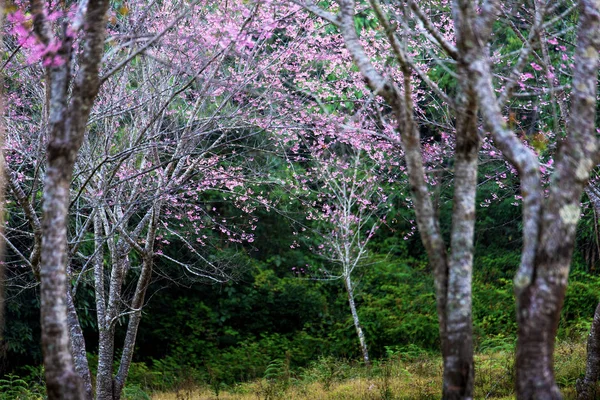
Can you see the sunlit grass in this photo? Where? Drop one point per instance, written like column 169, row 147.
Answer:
column 416, row 378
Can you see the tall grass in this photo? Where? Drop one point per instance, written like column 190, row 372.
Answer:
column 414, row 376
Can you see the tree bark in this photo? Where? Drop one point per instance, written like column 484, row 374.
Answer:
column 3, row 189
column 78, row 344
column 459, row 370
column 539, row 302
column 62, row 382
column 105, row 385
column 587, row 387
column 452, row 276
column 70, row 105
column 104, row 379
column 110, row 387
column 458, row 353
column 359, row 331
column 548, row 224
column 133, row 325
column 104, row 376
column 537, row 316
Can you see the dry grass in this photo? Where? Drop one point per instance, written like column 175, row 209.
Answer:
column 416, row 379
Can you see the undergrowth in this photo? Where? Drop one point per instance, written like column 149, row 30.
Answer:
column 401, row 376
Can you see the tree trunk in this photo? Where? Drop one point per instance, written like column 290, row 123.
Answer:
column 359, row 332
column 104, row 376
column 540, row 301
column 587, row 388
column 459, row 368
column 78, row 344
column 106, row 330
column 133, row 325
column 108, row 311
column 62, row 382
column 70, row 104
column 3, row 188
column 537, row 316
column 104, row 381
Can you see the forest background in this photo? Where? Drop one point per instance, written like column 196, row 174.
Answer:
column 213, row 173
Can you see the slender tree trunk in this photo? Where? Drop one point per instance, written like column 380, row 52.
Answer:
column 62, row 382
column 110, row 387
column 104, row 377
column 105, row 385
column 104, row 382
column 133, row 325
column 138, row 299
column 359, row 331
column 108, row 311
column 70, row 104
column 79, row 349
column 587, row 388
column 459, row 370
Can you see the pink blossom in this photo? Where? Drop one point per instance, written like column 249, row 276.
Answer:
column 536, row 66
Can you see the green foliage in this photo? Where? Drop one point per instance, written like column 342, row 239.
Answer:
column 570, row 362
column 141, row 376
column 580, row 302
column 398, row 305
column 276, row 380
column 326, row 370
column 134, row 392
column 22, row 329
column 495, row 374
column 493, row 314
column 15, row 388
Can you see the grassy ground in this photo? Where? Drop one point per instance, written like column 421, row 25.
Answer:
column 399, row 378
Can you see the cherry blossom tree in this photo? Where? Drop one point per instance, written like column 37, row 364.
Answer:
column 3, row 185
column 349, row 206
column 138, row 117
column 549, row 216
column 452, row 273
column 68, row 110
column 155, row 136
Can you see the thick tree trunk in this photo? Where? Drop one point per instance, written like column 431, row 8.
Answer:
column 540, row 299
column 70, row 103
column 62, row 382
column 359, row 331
column 538, row 315
column 587, row 387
